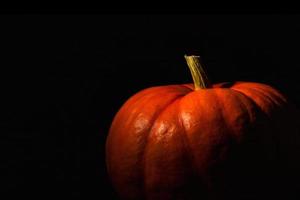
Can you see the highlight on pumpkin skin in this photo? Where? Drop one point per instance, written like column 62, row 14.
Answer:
column 198, row 74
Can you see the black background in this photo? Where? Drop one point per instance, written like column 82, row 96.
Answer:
column 64, row 76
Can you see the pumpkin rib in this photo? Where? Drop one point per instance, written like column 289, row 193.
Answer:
column 135, row 101
column 221, row 104
column 227, row 135
column 263, row 115
column 249, row 111
column 258, row 107
column 250, row 93
column 156, row 117
column 219, row 146
column 245, row 95
column 253, row 110
column 270, row 90
column 219, row 94
column 186, row 141
column 267, row 91
column 275, row 100
column 140, row 103
column 266, row 117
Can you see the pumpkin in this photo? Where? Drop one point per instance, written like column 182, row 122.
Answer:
column 201, row 140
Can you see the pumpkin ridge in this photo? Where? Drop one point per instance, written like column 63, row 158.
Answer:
column 143, row 160
column 239, row 94
column 218, row 148
column 265, row 91
column 186, row 142
column 261, row 94
column 249, row 98
column 221, row 105
column 274, row 91
column 266, row 95
column 141, row 102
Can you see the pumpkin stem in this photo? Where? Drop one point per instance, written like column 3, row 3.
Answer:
column 199, row 76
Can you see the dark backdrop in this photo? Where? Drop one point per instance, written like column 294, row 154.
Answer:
column 63, row 77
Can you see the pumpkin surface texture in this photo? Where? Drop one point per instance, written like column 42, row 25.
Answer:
column 203, row 141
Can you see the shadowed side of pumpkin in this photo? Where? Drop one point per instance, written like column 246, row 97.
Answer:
column 201, row 141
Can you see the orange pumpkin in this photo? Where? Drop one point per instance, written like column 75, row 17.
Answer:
column 199, row 141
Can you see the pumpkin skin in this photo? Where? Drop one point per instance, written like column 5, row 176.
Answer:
column 227, row 141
